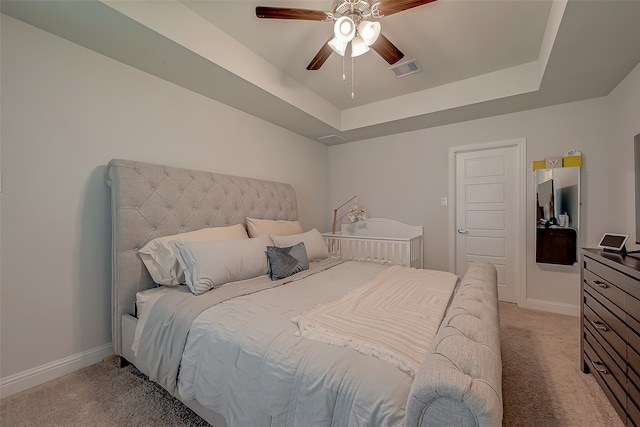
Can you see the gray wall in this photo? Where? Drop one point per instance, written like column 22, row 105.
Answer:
column 404, row 176
column 65, row 112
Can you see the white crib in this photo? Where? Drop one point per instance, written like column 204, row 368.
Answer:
column 380, row 240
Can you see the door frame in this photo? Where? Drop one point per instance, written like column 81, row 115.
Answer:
column 521, row 145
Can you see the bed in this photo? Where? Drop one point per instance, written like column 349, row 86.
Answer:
column 292, row 380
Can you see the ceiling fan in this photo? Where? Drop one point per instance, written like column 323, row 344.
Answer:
column 354, row 23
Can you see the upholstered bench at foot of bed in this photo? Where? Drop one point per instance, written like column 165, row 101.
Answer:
column 460, row 381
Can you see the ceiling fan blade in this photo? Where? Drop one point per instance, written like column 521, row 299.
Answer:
column 323, row 54
column 388, row 7
column 387, row 50
column 289, row 13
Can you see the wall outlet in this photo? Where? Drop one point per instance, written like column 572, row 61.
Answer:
column 443, row 201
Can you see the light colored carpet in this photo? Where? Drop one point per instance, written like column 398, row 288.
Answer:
column 542, row 386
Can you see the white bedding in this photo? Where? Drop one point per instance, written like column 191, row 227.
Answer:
column 145, row 301
column 295, row 381
column 242, row 359
column 393, row 317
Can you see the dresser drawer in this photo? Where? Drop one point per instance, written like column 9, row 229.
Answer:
column 615, row 345
column 607, row 382
column 632, row 371
column 632, row 307
column 603, row 366
column 616, row 354
column 611, row 316
column 633, row 412
column 634, row 415
column 633, row 383
column 604, row 287
column 633, row 287
column 633, row 403
column 633, row 337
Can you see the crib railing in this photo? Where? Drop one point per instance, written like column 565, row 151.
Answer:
column 384, row 250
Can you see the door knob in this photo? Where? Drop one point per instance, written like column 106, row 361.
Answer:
column 462, row 231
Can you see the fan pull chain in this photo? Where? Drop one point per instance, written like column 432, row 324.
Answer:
column 344, row 75
column 352, row 78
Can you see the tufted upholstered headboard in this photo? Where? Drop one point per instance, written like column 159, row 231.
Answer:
column 149, row 201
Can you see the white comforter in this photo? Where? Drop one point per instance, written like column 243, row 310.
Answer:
column 244, row 360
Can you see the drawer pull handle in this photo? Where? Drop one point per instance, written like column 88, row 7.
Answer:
column 600, row 284
column 599, row 325
column 599, row 366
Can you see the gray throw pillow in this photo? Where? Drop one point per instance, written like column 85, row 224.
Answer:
column 283, row 262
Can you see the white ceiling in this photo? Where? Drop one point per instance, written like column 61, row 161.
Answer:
column 479, row 57
column 497, row 35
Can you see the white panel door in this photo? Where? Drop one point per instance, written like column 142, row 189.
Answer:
column 487, row 228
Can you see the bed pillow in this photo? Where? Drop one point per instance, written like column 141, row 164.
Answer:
column 208, row 265
column 284, row 262
column 160, row 258
column 312, row 239
column 264, row 227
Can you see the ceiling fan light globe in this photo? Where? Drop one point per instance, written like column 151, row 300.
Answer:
column 358, row 47
column 338, row 46
column 344, row 29
column 369, row 31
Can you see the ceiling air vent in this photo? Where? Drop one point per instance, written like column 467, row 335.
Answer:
column 406, row 68
column 331, row 139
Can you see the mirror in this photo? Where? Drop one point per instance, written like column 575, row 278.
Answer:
column 557, row 215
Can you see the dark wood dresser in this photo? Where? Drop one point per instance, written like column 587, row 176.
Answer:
column 610, row 345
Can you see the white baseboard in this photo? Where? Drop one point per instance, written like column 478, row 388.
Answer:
column 32, row 377
column 553, row 307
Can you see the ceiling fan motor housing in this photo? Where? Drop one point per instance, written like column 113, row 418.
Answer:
column 357, row 10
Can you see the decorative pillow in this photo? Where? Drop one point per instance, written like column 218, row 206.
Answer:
column 312, row 239
column 263, row 227
column 208, row 265
column 284, row 262
column 160, row 257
